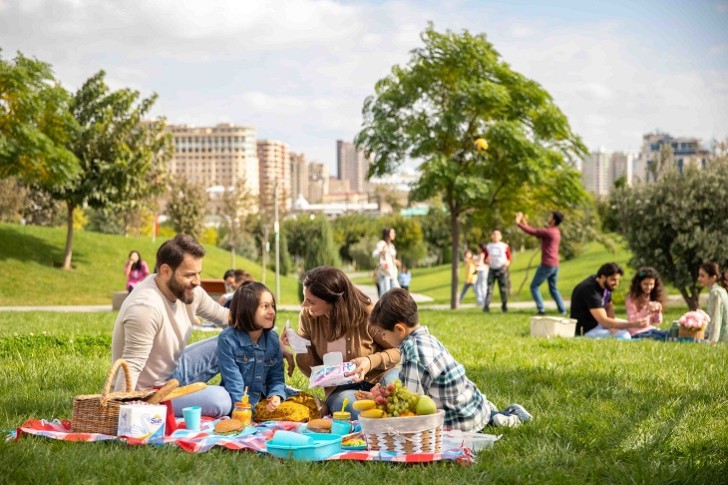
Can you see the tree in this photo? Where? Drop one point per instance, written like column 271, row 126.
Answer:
column 349, row 229
column 453, row 91
column 677, row 223
column 35, row 124
column 237, row 203
column 186, row 207
column 122, row 157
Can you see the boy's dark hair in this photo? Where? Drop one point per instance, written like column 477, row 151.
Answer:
column 558, row 216
column 228, row 274
column 172, row 252
column 395, row 306
column 244, row 305
column 241, row 275
column 609, row 269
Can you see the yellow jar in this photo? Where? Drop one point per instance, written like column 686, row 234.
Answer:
column 243, row 412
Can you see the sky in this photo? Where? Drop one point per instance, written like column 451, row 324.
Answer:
column 300, row 70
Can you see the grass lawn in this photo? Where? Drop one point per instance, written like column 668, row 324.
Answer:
column 605, row 411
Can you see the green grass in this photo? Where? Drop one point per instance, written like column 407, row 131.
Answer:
column 605, row 411
column 29, row 255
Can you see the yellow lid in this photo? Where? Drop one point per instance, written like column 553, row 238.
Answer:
column 242, row 405
column 343, row 415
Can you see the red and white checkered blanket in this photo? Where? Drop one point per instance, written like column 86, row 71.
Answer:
column 253, row 438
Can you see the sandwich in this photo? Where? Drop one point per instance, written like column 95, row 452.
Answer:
column 319, row 425
column 229, row 427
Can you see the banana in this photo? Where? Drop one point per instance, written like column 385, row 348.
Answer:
column 372, row 413
column 364, row 404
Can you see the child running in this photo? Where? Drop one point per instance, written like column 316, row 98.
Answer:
column 428, row 368
column 250, row 357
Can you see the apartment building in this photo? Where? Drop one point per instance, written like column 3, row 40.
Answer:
column 274, row 169
column 318, row 181
column 299, row 175
column 658, row 148
column 352, row 165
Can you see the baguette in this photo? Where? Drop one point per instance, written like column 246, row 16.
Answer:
column 162, row 392
column 184, row 390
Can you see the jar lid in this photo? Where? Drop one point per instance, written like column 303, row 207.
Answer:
column 343, row 415
column 242, row 405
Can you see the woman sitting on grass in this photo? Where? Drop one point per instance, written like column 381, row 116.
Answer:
column 709, row 276
column 645, row 299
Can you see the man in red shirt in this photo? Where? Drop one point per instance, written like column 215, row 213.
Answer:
column 550, row 237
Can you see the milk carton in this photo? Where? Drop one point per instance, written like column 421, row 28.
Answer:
column 142, row 421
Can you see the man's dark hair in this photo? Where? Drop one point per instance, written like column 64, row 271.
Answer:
column 558, row 216
column 172, row 252
column 228, row 274
column 609, row 269
column 395, row 306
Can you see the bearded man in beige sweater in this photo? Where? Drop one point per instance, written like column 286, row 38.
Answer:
column 155, row 323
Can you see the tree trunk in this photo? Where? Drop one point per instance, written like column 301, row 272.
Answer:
column 455, row 231
column 68, row 253
column 692, row 299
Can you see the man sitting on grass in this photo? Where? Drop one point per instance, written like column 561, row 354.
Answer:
column 428, row 368
column 593, row 310
column 155, row 323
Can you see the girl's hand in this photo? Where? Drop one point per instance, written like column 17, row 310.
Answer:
column 273, row 403
column 363, row 365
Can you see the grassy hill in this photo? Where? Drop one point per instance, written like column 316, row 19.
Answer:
column 29, row 256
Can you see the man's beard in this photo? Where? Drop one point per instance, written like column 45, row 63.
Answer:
column 178, row 290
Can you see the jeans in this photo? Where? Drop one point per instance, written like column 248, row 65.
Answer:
column 549, row 273
column 653, row 333
column 385, row 283
column 336, row 399
column 198, row 363
column 601, row 332
column 481, row 287
column 466, row 287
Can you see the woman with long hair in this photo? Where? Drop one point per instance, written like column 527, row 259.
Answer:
column 388, row 263
column 135, row 269
column 710, row 277
column 645, row 300
column 335, row 318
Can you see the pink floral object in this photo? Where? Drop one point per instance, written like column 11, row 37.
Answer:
column 696, row 319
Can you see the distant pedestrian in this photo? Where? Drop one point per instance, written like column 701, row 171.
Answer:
column 470, row 274
column 387, row 266
column 135, row 269
column 498, row 256
column 481, row 283
column 404, row 277
column 550, row 237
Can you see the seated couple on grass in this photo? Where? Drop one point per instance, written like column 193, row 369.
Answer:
column 593, row 308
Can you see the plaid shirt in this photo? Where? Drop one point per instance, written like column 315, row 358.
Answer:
column 428, row 368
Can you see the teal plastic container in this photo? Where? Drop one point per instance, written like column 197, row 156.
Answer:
column 322, row 446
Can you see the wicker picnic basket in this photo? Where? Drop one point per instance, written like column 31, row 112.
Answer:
column 692, row 333
column 99, row 413
column 414, row 434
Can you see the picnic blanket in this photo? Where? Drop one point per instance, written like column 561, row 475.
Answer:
column 253, row 438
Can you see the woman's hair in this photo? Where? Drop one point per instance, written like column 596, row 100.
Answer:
column 244, row 305
column 712, row 269
column 138, row 265
column 385, row 234
column 657, row 293
column 350, row 307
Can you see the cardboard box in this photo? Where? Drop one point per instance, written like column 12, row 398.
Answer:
column 143, row 421
column 553, row 327
column 331, row 373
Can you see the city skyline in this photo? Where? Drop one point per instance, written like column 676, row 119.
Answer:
column 299, row 71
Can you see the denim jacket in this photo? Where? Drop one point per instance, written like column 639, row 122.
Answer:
column 244, row 363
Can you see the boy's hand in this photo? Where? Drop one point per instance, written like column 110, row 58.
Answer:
column 360, row 395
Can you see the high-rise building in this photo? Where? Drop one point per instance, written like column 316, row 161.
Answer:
column 215, row 156
column 299, row 175
column 352, row 165
column 274, row 167
column 596, row 171
column 623, row 166
column 318, row 181
column 657, row 147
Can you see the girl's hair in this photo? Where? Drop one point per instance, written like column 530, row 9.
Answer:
column 350, row 307
column 138, row 265
column 385, row 234
column 244, row 305
column 712, row 269
column 657, row 293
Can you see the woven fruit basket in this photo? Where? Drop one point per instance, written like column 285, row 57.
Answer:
column 414, row 434
column 99, row 413
column 691, row 333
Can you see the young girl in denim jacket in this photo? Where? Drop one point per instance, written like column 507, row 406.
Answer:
column 250, row 356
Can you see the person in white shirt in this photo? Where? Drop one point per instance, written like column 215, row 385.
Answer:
column 155, row 323
column 388, row 263
column 498, row 256
column 481, row 283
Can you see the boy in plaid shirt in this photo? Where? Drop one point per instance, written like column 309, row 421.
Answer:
column 428, row 368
